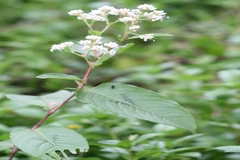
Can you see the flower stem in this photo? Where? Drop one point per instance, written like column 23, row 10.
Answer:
column 53, row 110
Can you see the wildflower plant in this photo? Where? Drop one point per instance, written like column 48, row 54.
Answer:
column 43, row 141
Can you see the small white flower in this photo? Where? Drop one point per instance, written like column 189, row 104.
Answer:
column 155, row 15
column 99, row 49
column 61, row 46
column 75, row 12
column 86, row 47
column 57, row 47
column 134, row 28
column 135, row 13
column 158, row 15
column 145, row 37
column 85, row 42
column 84, row 16
column 146, row 7
column 97, row 18
column 126, row 19
column 124, row 11
column 97, row 15
column 93, row 38
column 67, row 44
column 97, row 12
column 114, row 11
column 111, row 45
column 106, row 9
column 112, row 52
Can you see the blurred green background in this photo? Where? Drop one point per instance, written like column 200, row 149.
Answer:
column 199, row 68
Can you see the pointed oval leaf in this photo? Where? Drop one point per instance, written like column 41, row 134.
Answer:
column 58, row 76
column 104, row 58
column 43, row 142
column 78, row 48
column 229, row 148
column 125, row 47
column 139, row 103
column 43, row 101
column 145, row 137
column 94, row 32
column 186, row 138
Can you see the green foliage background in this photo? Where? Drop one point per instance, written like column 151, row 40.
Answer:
column 199, row 68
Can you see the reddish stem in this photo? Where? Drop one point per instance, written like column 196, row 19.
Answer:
column 53, row 110
column 14, row 151
column 86, row 76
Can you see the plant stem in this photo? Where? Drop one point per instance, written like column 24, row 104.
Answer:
column 53, row 110
column 129, row 154
column 112, row 134
column 105, row 29
column 14, row 151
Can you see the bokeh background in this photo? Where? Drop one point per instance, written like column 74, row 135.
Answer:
column 199, row 67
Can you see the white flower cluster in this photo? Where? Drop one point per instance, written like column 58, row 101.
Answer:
column 146, row 7
column 134, row 28
column 95, row 15
column 61, row 46
column 145, row 37
column 155, row 15
column 132, row 16
column 93, row 43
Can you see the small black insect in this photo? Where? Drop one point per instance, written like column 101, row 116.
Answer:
column 112, row 86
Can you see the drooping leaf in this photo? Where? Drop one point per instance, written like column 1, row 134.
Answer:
column 145, row 137
column 186, row 149
column 155, row 35
column 229, row 148
column 191, row 154
column 229, row 76
column 125, row 47
column 139, row 103
column 94, row 32
column 161, row 34
column 146, row 153
column 186, row 138
column 58, row 76
column 43, row 101
column 43, row 142
column 104, row 58
column 78, row 49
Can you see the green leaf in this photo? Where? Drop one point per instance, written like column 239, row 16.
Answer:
column 162, row 34
column 43, row 101
column 186, row 149
column 78, row 49
column 94, row 32
column 104, row 58
column 191, row 154
column 229, row 76
column 58, row 76
column 43, row 142
column 5, row 145
column 139, row 103
column 155, row 35
column 228, row 148
column 125, row 47
column 145, row 137
column 186, row 138
column 146, row 153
